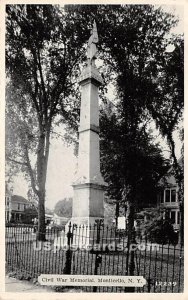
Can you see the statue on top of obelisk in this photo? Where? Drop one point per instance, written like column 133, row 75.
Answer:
column 91, row 47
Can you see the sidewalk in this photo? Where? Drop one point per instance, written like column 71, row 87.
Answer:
column 15, row 285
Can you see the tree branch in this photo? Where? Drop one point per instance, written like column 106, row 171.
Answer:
column 41, row 76
column 16, row 161
column 33, row 184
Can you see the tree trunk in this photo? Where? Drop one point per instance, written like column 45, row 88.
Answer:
column 130, row 265
column 181, row 219
column 117, row 212
column 179, row 179
column 41, row 217
column 131, row 235
column 42, row 161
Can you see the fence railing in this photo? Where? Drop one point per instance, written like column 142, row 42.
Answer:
column 96, row 250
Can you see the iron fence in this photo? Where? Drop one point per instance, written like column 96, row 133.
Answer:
column 96, row 250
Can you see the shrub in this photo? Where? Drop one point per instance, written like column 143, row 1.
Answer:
column 161, row 231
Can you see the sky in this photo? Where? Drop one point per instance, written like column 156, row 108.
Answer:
column 62, row 162
column 177, row 10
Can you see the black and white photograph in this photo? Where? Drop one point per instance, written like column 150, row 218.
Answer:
column 94, row 148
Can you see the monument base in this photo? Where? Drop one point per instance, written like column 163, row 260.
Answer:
column 88, row 202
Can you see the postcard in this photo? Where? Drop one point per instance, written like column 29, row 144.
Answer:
column 93, row 113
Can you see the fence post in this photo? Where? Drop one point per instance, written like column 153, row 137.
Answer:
column 130, row 263
column 68, row 256
column 98, row 257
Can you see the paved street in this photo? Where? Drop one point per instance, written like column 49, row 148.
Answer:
column 15, row 285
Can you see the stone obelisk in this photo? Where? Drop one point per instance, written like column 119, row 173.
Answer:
column 89, row 185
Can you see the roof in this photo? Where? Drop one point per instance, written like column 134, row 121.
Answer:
column 60, row 217
column 169, row 179
column 19, row 199
column 48, row 216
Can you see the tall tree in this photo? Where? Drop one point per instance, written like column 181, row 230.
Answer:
column 42, row 58
column 167, row 110
column 127, row 164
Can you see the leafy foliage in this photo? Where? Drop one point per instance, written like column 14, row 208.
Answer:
column 129, row 160
column 42, row 58
column 160, row 230
column 63, row 208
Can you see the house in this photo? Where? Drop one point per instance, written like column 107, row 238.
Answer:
column 15, row 206
column 18, row 205
column 168, row 197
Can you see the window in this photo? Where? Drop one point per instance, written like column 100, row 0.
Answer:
column 178, row 217
column 170, row 195
column 167, row 196
column 173, row 195
column 162, row 196
column 173, row 217
column 18, row 206
column 167, row 214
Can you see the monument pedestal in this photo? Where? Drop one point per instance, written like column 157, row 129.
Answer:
column 88, row 203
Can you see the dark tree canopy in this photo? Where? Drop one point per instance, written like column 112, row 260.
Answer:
column 130, row 160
